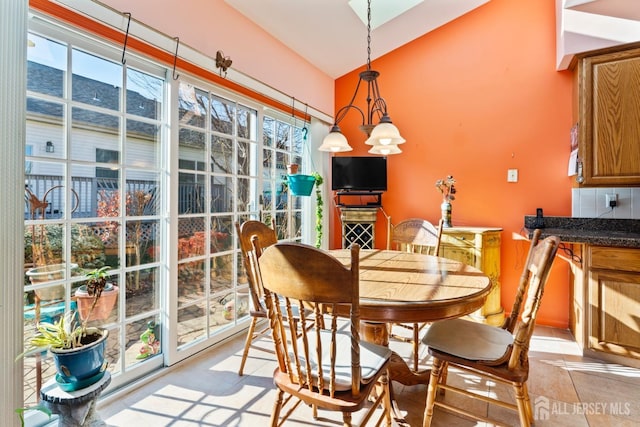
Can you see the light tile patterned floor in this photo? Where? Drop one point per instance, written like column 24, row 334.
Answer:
column 570, row 390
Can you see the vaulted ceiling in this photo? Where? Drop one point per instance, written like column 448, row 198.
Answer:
column 331, row 36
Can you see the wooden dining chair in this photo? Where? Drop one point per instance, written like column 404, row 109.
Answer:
column 418, row 236
column 326, row 367
column 499, row 353
column 247, row 231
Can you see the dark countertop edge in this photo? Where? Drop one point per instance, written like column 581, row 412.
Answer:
column 592, row 231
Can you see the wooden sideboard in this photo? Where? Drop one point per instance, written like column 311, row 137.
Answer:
column 480, row 248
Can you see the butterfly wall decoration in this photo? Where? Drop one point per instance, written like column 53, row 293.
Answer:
column 222, row 62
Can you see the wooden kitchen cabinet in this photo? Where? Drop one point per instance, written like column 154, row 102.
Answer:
column 609, row 118
column 480, row 248
column 613, row 301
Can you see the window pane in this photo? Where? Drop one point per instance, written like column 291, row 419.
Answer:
column 191, row 197
column 247, row 123
column 298, row 140
column 192, row 321
column 267, row 164
column 46, row 66
column 144, row 339
column 222, row 116
column 141, row 239
column 268, row 201
column 268, row 131
column 283, row 135
column 221, row 232
column 244, row 158
column 192, row 105
column 221, row 194
column 142, row 147
column 142, row 195
column 96, row 81
column 88, row 248
column 247, row 194
column 90, row 130
column 45, row 196
column 191, row 240
column 45, row 130
column 221, row 155
column 191, row 149
column 143, row 291
column 105, row 310
column 221, row 276
column 144, row 94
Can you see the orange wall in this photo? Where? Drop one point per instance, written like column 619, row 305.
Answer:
column 473, row 99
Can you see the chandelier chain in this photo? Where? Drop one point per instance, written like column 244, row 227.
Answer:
column 368, row 34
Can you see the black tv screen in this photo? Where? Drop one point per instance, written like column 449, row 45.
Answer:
column 358, row 173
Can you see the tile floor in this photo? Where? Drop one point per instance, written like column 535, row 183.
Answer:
column 566, row 389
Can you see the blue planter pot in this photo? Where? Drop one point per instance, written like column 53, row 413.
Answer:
column 301, row 185
column 80, row 367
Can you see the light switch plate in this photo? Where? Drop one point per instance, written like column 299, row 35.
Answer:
column 512, row 175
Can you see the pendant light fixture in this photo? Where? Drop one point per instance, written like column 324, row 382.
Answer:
column 383, row 137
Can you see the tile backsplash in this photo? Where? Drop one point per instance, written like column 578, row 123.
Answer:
column 591, row 202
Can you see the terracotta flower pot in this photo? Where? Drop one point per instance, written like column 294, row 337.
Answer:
column 104, row 306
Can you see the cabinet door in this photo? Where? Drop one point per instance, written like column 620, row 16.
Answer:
column 460, row 246
column 609, row 129
column 614, row 302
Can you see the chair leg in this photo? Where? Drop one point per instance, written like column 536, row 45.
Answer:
column 386, row 389
column 277, row 406
column 247, row 344
column 528, row 402
column 432, row 389
column 416, row 346
column 443, row 376
column 346, row 419
column 521, row 399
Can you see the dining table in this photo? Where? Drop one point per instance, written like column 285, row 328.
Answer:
column 404, row 287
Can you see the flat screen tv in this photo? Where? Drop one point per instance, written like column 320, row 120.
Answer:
column 358, row 173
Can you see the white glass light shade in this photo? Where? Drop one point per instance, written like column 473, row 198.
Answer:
column 385, row 134
column 385, row 150
column 335, row 141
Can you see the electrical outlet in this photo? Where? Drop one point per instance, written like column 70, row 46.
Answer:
column 611, row 200
column 512, row 175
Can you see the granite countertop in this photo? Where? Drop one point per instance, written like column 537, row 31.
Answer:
column 593, row 231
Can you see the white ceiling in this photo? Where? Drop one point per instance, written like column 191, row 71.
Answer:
column 586, row 25
column 329, row 34
column 625, row 9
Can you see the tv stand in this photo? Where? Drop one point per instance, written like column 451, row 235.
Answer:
column 377, row 202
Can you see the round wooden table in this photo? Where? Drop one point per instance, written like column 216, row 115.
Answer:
column 401, row 287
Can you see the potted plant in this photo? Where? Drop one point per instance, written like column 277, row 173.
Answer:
column 43, row 254
column 319, row 205
column 78, row 350
column 90, row 308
